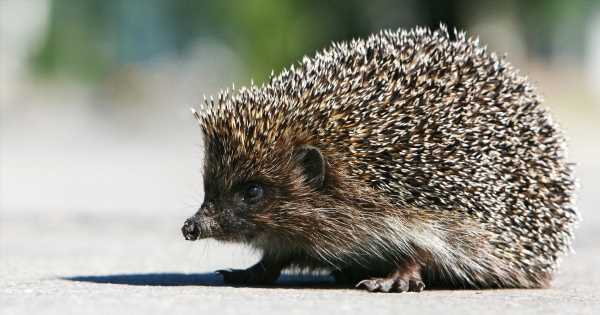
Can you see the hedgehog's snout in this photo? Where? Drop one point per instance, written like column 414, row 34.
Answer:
column 200, row 225
column 191, row 229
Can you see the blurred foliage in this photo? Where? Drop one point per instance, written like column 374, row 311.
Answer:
column 543, row 19
column 89, row 38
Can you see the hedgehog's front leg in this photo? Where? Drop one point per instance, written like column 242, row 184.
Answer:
column 265, row 272
column 406, row 278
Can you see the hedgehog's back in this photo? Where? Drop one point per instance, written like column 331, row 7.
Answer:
column 442, row 124
column 430, row 122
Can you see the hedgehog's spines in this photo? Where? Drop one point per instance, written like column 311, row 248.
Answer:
column 429, row 122
column 196, row 116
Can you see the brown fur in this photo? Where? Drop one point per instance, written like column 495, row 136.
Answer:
column 436, row 154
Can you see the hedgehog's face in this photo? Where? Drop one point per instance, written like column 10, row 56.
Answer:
column 226, row 211
column 241, row 205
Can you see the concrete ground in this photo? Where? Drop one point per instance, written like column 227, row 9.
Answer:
column 90, row 226
column 125, row 264
column 100, row 265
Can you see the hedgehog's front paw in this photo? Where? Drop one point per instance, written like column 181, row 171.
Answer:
column 391, row 285
column 236, row 276
column 250, row 276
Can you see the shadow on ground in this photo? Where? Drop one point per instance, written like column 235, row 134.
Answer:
column 199, row 279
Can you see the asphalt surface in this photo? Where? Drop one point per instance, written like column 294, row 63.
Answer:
column 94, row 265
column 81, row 236
column 140, row 264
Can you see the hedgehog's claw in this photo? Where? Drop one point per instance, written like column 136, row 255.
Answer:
column 404, row 280
column 378, row 284
column 416, row 285
column 384, row 285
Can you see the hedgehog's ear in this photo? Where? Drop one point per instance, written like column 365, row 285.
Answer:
column 312, row 164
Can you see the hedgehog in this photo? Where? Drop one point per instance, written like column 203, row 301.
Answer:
column 412, row 158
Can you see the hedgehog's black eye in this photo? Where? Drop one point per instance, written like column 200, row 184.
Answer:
column 253, row 193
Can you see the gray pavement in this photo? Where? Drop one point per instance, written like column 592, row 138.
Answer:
column 96, row 231
column 95, row 265
column 99, row 265
column 139, row 264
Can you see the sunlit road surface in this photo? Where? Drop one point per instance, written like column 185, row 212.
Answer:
column 124, row 265
column 96, row 230
column 117, row 263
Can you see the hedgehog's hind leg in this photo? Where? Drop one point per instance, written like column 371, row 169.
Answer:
column 405, row 279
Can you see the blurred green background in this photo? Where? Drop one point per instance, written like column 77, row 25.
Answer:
column 95, row 95
column 89, row 39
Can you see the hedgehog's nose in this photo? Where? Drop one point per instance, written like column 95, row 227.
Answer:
column 190, row 229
